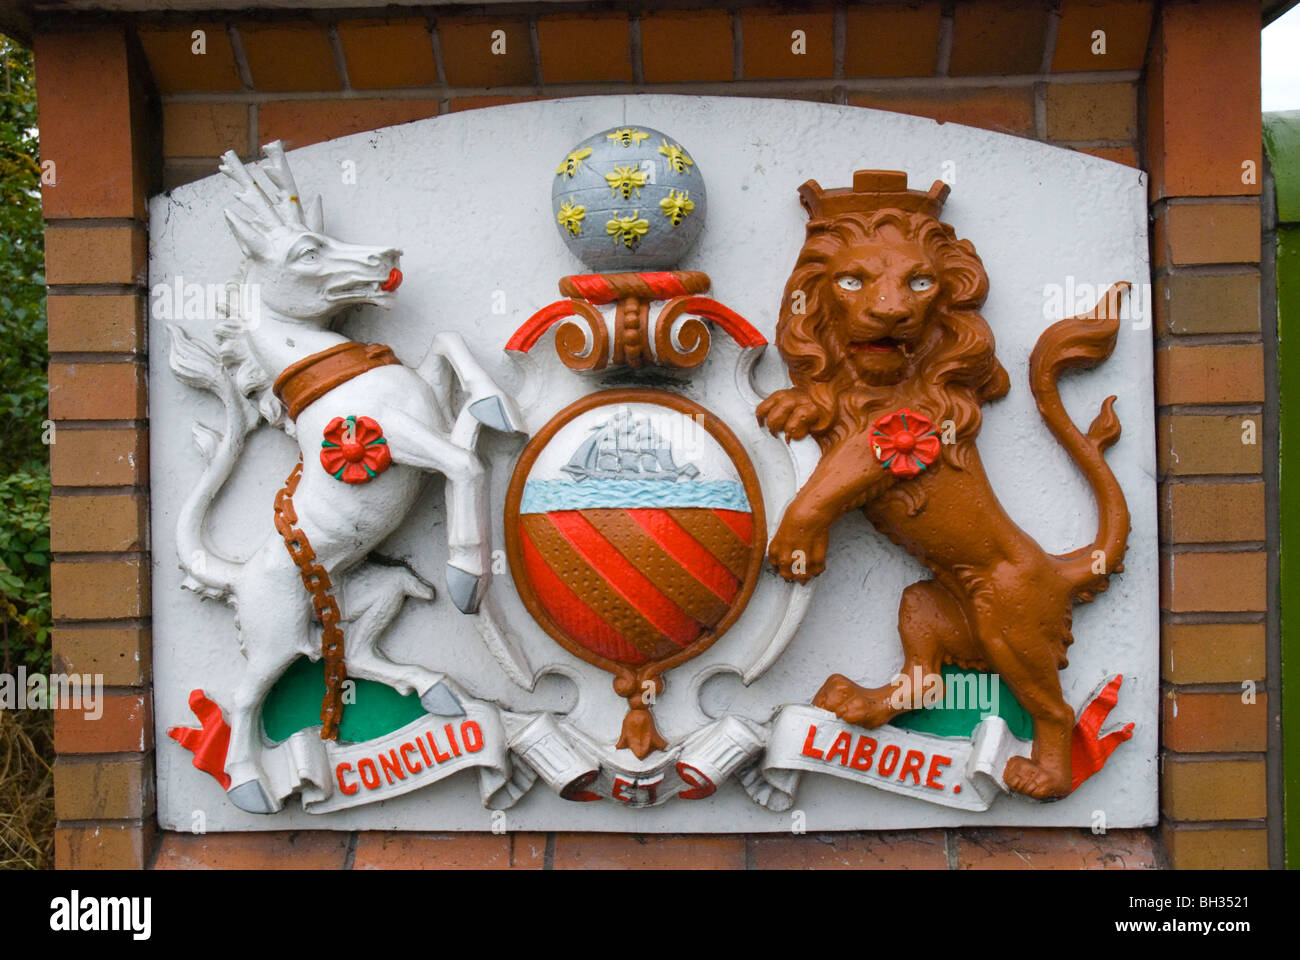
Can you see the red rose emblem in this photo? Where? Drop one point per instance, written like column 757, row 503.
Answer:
column 905, row 442
column 354, row 450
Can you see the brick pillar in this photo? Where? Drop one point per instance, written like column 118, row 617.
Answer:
column 95, row 122
column 1203, row 149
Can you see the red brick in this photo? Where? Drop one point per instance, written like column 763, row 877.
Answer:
column 891, row 40
column 1053, row 849
column 1006, row 109
column 1215, row 722
column 450, row 851
column 1124, row 155
column 87, row 788
column 276, row 850
column 1187, row 303
column 388, row 53
column 98, row 524
column 591, row 48
column 1091, row 111
column 97, row 391
column 125, row 726
column 175, row 65
column 1213, row 789
column 1198, row 233
column 1228, row 582
column 1193, row 849
column 100, row 589
column 177, row 173
column 104, row 846
column 1126, row 23
column 1203, row 124
column 1222, row 373
column 99, row 458
column 478, row 103
column 914, row 850
column 767, row 36
column 84, row 99
column 687, row 46
column 94, row 324
column 300, row 122
column 101, row 254
column 997, row 37
column 1212, row 652
column 467, row 57
column 1206, row 444
column 289, row 55
column 1211, row 512
column 605, row 851
column 204, row 129
column 120, row 654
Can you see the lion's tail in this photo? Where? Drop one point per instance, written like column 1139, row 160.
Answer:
column 1086, row 341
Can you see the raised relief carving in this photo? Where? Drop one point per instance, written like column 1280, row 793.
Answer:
column 891, row 362
column 368, row 429
column 653, row 529
column 630, row 559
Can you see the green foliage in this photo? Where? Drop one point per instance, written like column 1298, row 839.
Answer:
column 24, row 474
column 25, row 567
column 23, row 355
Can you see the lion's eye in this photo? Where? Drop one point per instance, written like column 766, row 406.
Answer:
column 848, row 283
column 921, row 284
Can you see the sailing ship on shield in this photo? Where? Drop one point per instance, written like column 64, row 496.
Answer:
column 627, row 447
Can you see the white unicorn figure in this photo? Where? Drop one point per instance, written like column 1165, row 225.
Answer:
column 302, row 279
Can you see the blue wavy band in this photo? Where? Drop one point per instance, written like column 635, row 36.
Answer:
column 544, row 496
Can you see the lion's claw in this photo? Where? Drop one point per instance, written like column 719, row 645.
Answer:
column 852, row 703
column 798, row 550
column 791, row 411
column 1035, row 780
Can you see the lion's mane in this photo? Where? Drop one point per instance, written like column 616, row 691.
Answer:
column 958, row 369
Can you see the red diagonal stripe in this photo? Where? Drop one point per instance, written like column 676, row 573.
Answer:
column 630, row 583
column 664, row 284
column 687, row 551
column 571, row 615
column 740, row 522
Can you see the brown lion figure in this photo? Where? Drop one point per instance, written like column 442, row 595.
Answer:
column 880, row 323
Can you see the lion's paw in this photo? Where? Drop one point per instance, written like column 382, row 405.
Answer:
column 1035, row 780
column 792, row 412
column 852, row 703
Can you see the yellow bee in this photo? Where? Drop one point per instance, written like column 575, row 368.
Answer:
column 626, row 179
column 570, row 217
column 627, row 136
column 677, row 205
column 677, row 158
column 573, row 163
column 628, row 230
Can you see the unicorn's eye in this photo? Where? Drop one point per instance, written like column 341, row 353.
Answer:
column 847, row 282
column 309, row 256
column 921, row 284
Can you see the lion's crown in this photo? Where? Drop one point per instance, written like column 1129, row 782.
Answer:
column 872, row 190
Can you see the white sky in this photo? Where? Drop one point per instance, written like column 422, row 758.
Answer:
column 1280, row 62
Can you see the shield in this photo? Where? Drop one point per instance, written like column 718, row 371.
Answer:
column 635, row 532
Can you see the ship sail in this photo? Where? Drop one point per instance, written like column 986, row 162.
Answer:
column 626, row 447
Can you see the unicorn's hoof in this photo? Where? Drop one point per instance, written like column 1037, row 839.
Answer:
column 251, row 797
column 492, row 412
column 440, row 701
column 464, row 588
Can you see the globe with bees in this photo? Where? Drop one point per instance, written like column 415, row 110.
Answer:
column 629, row 199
